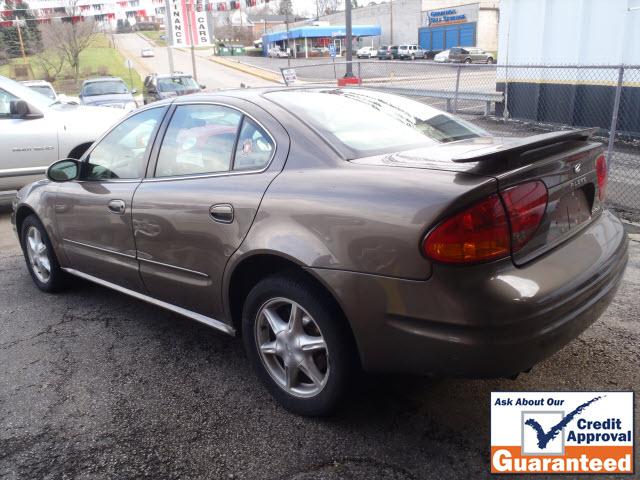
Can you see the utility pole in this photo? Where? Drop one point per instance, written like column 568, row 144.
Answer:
column 191, row 39
column 390, row 22
column 168, row 34
column 24, row 55
column 286, row 22
column 347, row 12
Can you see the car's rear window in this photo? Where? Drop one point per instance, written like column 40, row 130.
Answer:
column 104, row 87
column 366, row 122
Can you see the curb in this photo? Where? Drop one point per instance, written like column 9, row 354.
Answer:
column 271, row 77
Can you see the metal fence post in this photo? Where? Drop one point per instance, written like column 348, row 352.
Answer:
column 455, row 98
column 614, row 116
column 360, row 71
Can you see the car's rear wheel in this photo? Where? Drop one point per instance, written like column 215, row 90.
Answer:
column 489, row 60
column 467, row 60
column 413, row 57
column 41, row 259
column 298, row 343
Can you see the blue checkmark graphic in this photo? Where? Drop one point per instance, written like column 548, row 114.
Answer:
column 545, row 437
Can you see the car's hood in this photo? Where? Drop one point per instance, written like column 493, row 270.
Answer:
column 108, row 99
column 93, row 120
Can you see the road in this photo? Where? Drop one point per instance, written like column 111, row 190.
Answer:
column 98, row 386
column 211, row 74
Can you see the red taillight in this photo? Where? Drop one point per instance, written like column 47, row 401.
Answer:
column 481, row 232
column 601, row 171
column 477, row 234
column 526, row 204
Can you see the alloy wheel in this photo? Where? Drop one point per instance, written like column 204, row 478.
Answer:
column 38, row 255
column 292, row 347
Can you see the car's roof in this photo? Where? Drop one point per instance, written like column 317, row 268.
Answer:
column 102, row 79
column 168, row 75
column 29, row 83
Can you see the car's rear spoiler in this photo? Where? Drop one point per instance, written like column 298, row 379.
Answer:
column 514, row 147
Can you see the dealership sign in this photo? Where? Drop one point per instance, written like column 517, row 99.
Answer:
column 562, row 432
column 184, row 14
column 450, row 16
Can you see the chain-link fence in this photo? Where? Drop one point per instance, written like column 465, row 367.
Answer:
column 518, row 100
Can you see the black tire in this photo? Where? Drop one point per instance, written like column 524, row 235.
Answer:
column 489, row 60
column 467, row 60
column 413, row 57
column 57, row 279
column 333, row 327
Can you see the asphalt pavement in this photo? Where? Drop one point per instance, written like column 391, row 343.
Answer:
column 95, row 385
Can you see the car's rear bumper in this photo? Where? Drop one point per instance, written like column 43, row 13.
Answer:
column 484, row 320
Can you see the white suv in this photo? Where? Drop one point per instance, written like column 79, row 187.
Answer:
column 411, row 51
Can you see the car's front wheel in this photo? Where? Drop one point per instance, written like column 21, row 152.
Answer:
column 40, row 257
column 298, row 343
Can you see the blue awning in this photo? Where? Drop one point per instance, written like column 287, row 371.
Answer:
column 316, row 32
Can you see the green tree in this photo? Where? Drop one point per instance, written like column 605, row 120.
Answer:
column 30, row 33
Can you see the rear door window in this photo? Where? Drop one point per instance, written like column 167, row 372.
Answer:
column 255, row 148
column 200, row 139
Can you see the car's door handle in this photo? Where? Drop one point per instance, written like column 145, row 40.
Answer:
column 221, row 212
column 117, row 206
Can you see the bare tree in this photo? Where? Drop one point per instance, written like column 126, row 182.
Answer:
column 47, row 55
column 72, row 36
column 325, row 7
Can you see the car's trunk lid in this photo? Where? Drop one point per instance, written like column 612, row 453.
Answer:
column 564, row 161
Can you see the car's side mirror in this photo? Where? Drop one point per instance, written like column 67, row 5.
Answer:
column 202, row 87
column 21, row 109
column 64, row 170
column 134, row 91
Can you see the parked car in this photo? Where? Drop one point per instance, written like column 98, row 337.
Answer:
column 277, row 53
column 108, row 92
column 366, row 52
column 397, row 239
column 160, row 86
column 469, row 55
column 147, row 53
column 36, row 130
column 45, row 88
column 411, row 52
column 388, row 52
column 442, row 57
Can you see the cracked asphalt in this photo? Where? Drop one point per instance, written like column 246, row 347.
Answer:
column 94, row 385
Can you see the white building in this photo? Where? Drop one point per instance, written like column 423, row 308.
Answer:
column 583, row 33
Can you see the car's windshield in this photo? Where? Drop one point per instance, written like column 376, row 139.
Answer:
column 105, row 87
column 176, row 84
column 25, row 93
column 44, row 90
column 370, row 122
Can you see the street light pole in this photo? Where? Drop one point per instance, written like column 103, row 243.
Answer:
column 168, row 35
column 191, row 40
column 347, row 12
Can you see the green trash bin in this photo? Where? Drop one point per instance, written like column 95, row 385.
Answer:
column 237, row 50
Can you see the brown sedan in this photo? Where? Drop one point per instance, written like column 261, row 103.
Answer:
column 337, row 230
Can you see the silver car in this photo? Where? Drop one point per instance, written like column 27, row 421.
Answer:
column 35, row 131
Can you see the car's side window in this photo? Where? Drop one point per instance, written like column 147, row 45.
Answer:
column 121, row 154
column 254, row 149
column 5, row 103
column 200, row 139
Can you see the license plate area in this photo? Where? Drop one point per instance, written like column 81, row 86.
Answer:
column 571, row 211
column 570, row 208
